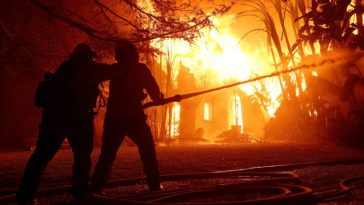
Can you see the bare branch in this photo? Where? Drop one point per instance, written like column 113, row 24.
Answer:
column 12, row 39
column 165, row 35
column 168, row 21
column 117, row 15
column 82, row 27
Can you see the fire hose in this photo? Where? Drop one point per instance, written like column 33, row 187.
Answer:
column 274, row 183
column 180, row 97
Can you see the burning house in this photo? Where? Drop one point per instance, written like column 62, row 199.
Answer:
column 224, row 116
column 213, row 61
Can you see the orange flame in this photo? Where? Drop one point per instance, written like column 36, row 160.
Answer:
column 217, row 58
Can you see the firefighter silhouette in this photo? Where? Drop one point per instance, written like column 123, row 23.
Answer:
column 71, row 95
column 125, row 117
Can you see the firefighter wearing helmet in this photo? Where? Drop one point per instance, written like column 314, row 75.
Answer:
column 125, row 117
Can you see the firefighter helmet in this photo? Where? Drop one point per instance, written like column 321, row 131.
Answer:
column 126, row 50
column 83, row 50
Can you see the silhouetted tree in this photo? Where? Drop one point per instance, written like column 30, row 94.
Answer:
column 329, row 23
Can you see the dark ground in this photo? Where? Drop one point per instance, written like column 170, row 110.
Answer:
column 203, row 158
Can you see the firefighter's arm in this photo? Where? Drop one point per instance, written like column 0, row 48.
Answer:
column 107, row 71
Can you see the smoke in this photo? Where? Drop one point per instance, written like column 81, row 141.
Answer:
column 335, row 66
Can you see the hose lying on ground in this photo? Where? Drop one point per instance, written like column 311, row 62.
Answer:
column 271, row 185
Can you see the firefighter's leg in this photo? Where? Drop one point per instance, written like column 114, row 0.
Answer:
column 49, row 142
column 81, row 142
column 141, row 134
column 111, row 141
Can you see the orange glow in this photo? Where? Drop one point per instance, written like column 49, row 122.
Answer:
column 174, row 129
column 236, row 109
column 217, row 59
column 353, row 18
column 207, row 111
